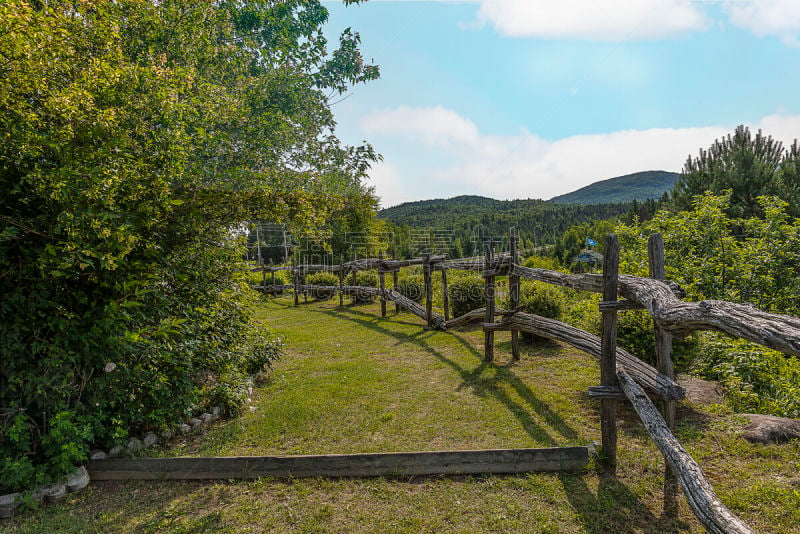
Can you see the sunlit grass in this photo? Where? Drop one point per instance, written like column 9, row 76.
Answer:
column 351, row 381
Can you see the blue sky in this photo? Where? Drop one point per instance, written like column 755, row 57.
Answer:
column 534, row 98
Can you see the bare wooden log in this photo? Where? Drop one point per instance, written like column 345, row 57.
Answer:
column 647, row 376
column 271, row 268
column 608, row 352
column 584, row 282
column 473, row 264
column 705, row 504
column 478, row 314
column 344, row 465
column 395, row 280
column 606, row 392
column 405, row 302
column 779, row 332
column 273, row 288
column 366, row 291
column 619, row 305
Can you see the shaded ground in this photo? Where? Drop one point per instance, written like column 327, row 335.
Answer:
column 354, row 382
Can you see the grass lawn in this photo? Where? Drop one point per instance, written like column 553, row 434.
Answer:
column 351, row 381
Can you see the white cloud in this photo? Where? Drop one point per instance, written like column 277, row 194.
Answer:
column 464, row 161
column 436, row 126
column 780, row 18
column 607, row 20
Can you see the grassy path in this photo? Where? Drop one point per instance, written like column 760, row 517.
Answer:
column 354, row 382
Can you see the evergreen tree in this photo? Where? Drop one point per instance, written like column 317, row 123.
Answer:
column 749, row 166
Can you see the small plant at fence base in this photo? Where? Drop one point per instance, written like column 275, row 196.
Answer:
column 323, row 278
column 466, row 293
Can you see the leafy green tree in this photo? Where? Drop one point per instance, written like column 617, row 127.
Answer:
column 749, row 166
column 136, row 136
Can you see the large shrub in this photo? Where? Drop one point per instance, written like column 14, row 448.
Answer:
column 366, row 279
column 466, row 293
column 756, row 379
column 541, row 299
column 411, row 287
column 137, row 136
column 324, row 278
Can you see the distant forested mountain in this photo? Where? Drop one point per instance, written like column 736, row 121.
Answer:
column 637, row 186
column 467, row 220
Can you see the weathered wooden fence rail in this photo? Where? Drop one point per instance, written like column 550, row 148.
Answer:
column 572, row 459
column 623, row 376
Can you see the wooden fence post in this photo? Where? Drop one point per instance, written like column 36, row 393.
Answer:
column 341, row 281
column 655, row 253
column 381, row 277
column 354, row 282
column 608, row 352
column 263, row 274
column 394, row 279
column 445, row 296
column 488, row 335
column 304, row 276
column 272, row 276
column 296, row 280
column 514, row 289
column 426, row 272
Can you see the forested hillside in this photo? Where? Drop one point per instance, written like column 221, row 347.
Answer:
column 637, row 186
column 467, row 219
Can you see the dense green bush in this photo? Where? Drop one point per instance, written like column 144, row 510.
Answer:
column 125, row 302
column 756, row 379
column 540, row 299
column 367, row 279
column 411, row 287
column 324, row 278
column 466, row 293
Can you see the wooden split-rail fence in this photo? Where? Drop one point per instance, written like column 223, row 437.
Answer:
column 622, row 375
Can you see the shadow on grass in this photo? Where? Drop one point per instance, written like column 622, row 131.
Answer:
column 482, row 383
column 615, row 508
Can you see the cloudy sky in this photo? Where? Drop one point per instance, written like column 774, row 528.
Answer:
column 534, row 98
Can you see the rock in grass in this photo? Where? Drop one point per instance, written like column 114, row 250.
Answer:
column 167, row 434
column 771, row 429
column 216, row 410
column 78, row 479
column 134, row 444
column 184, row 428
column 195, row 422
column 8, row 503
column 97, row 454
column 54, row 492
column 115, row 451
column 206, row 417
column 149, row 439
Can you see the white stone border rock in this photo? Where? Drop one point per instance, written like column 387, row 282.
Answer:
column 79, row 479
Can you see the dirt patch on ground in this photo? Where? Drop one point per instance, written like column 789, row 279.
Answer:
column 701, row 392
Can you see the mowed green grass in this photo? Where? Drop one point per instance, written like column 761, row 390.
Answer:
column 351, row 381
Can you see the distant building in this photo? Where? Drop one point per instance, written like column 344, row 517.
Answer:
column 588, row 258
